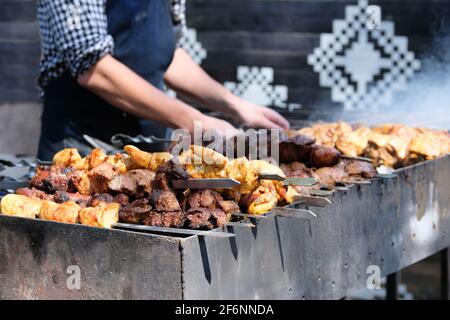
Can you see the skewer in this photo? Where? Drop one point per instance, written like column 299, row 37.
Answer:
column 249, row 216
column 386, row 176
column 240, row 224
column 357, row 158
column 355, row 182
column 270, row 176
column 312, row 201
column 303, row 182
column 320, row 193
column 294, row 213
column 173, row 230
column 205, row 183
column 338, row 188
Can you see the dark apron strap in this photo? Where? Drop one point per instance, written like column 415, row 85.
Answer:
column 144, row 41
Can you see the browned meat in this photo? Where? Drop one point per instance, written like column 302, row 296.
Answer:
column 301, row 148
column 122, row 199
column 63, row 196
column 100, row 176
column 229, row 206
column 34, row 193
column 210, row 199
column 52, row 178
column 167, row 172
column 170, row 219
column 203, row 218
column 329, row 176
column 164, row 201
column 135, row 212
column 297, row 148
column 136, row 183
column 100, row 198
column 323, row 156
column 360, row 168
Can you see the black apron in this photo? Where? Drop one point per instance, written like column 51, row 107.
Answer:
column 145, row 42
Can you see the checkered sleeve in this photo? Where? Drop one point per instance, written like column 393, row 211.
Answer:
column 80, row 31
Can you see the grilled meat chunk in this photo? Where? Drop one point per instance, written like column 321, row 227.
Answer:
column 323, row 156
column 210, row 199
column 34, row 193
column 122, row 199
column 164, row 201
column 100, row 177
column 166, row 172
column 204, row 218
column 302, row 149
column 135, row 212
column 52, row 178
column 297, row 148
column 357, row 168
column 80, row 199
column 168, row 219
column 100, row 198
column 136, row 183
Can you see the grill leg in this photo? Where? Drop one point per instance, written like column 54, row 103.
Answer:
column 392, row 282
column 445, row 278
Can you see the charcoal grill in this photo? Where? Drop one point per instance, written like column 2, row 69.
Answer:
column 391, row 223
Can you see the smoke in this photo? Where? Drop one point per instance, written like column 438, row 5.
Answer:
column 426, row 101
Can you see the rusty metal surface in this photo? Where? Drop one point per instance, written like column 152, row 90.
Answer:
column 35, row 256
column 391, row 223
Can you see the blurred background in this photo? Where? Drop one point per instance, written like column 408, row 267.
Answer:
column 305, row 58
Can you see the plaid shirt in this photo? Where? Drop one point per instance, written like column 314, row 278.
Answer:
column 74, row 35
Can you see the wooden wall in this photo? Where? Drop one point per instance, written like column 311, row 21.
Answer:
column 280, row 34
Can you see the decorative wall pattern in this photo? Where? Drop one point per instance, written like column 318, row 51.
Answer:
column 362, row 65
column 256, row 85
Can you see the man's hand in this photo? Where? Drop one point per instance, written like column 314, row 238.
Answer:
column 256, row 116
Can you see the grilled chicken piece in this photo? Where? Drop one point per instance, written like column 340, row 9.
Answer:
column 136, row 183
column 34, row 193
column 20, row 206
column 70, row 157
column 66, row 212
column 135, row 212
column 354, row 143
column 103, row 215
column 147, row 160
column 326, row 134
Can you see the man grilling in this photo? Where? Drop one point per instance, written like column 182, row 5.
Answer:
column 103, row 69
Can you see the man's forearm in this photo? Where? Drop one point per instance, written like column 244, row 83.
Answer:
column 126, row 90
column 186, row 77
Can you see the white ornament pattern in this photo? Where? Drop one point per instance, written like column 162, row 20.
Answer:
column 363, row 66
column 190, row 43
column 255, row 85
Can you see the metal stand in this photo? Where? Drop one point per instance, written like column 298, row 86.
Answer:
column 392, row 282
column 445, row 278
